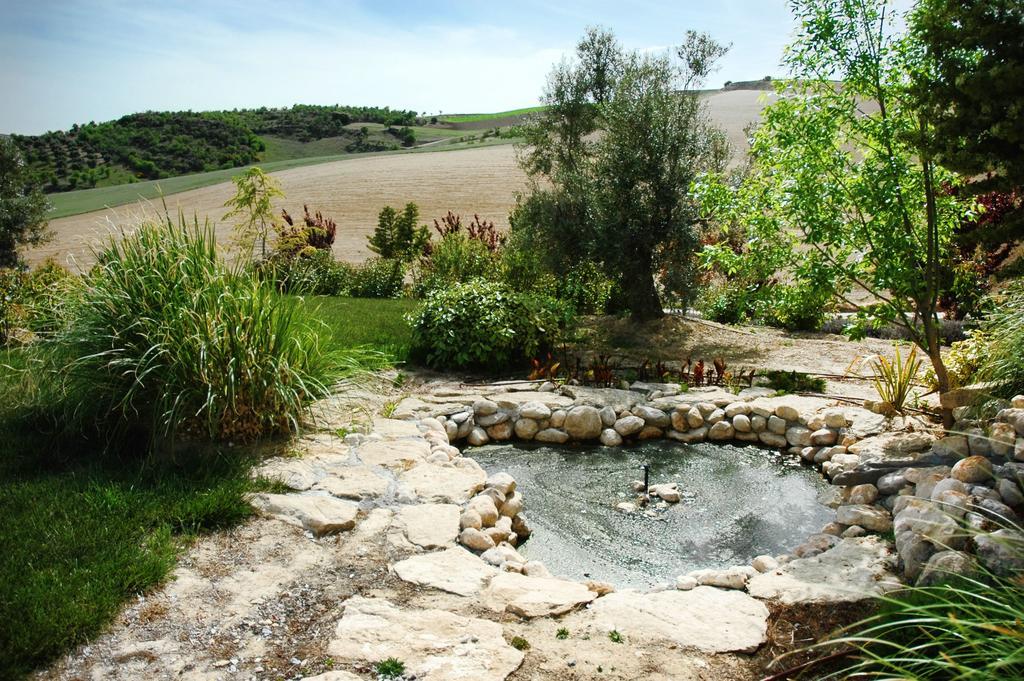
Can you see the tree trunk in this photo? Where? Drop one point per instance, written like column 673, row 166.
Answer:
column 642, row 298
column 934, row 350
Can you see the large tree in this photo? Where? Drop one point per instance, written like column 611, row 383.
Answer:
column 611, row 160
column 846, row 166
column 971, row 86
column 22, row 206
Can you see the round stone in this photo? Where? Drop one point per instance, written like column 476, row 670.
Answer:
column 583, row 423
column 972, row 469
column 629, row 425
column 610, row 438
column 741, row 422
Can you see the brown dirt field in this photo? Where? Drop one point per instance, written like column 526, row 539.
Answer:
column 483, row 181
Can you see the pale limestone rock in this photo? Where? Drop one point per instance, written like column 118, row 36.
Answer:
column 319, row 514
column 485, row 506
column 454, row 570
column 629, row 425
column 353, row 482
column 741, row 423
column 610, row 438
column 972, row 469
column 451, row 483
column 475, row 539
column 433, row 644
column 853, row 570
column 552, row 435
column 526, row 428
column 429, row 526
column 394, row 454
column 583, row 423
column 869, row 517
column 703, row 618
column 535, row 596
column 721, row 430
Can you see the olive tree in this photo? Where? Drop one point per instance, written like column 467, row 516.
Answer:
column 845, row 167
column 611, row 161
column 22, row 206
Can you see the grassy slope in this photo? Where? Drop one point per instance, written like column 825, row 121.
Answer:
column 87, row 200
column 476, row 118
column 81, row 535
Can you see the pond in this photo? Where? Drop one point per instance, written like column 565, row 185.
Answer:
column 738, row 502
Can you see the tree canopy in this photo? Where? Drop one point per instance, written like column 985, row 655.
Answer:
column 611, row 160
column 22, row 206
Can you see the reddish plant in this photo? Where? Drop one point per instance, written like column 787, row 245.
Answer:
column 478, row 230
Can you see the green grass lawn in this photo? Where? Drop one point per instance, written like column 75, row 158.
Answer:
column 367, row 321
column 83, row 532
column 476, row 118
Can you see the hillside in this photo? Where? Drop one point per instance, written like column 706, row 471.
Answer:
column 156, row 145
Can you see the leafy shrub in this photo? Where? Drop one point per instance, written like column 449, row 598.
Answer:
column 795, row 308
column 378, row 278
column 1004, row 362
column 725, row 304
column 454, row 259
column 485, row 324
column 963, row 360
column 32, row 301
column 315, row 233
column 794, row 382
column 165, row 339
column 311, row 272
column 11, row 313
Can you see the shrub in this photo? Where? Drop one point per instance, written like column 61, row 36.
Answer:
column 795, row 308
column 378, row 278
column 963, row 360
column 794, row 382
column 32, row 301
column 454, row 259
column 314, row 233
column 312, row 272
column 165, row 339
column 725, row 304
column 484, row 324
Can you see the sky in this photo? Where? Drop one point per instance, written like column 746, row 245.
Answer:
column 74, row 61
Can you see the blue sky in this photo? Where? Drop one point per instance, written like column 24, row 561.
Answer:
column 69, row 61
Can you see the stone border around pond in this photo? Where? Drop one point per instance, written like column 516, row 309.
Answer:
column 892, row 475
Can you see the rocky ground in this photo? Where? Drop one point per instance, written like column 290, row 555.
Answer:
column 366, row 559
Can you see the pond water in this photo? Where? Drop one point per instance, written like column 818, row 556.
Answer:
column 739, row 502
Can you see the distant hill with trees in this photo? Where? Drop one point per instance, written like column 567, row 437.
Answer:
column 155, row 144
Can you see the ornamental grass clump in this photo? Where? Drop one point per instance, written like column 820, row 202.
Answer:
column 166, row 339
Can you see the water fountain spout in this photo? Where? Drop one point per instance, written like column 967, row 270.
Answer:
column 647, row 479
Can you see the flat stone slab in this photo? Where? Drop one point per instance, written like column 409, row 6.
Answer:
column 430, row 526
column 353, row 482
column 444, row 483
column 433, row 644
column 297, row 474
column 398, row 455
column 705, row 618
column 535, row 596
column 395, row 428
column 863, row 423
column 892, row 446
column 320, row 514
column 454, row 570
column 517, row 399
column 606, row 397
column 852, row 570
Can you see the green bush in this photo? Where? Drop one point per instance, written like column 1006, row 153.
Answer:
column 32, row 301
column 794, row 382
column 378, row 278
column 725, row 305
column 485, row 324
column 454, row 259
column 166, row 339
column 795, row 308
column 397, row 236
column 312, row 272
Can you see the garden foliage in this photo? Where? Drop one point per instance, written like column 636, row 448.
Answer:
column 483, row 324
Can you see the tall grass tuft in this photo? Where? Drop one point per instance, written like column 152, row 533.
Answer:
column 1003, row 365
column 894, row 379
column 166, row 339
